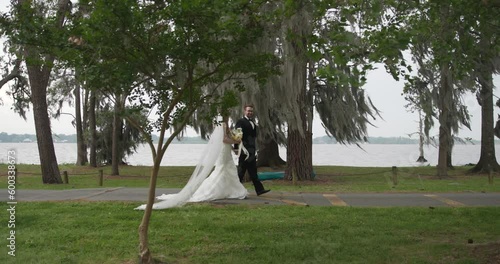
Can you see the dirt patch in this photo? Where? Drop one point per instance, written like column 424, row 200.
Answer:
column 488, row 253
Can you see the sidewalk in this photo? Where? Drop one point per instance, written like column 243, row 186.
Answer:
column 274, row 197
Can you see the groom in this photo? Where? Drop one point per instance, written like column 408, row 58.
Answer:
column 247, row 159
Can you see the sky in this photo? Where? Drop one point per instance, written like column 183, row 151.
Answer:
column 383, row 90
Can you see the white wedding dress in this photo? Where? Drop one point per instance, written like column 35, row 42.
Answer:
column 208, row 183
column 223, row 182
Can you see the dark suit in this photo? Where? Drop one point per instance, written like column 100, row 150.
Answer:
column 250, row 164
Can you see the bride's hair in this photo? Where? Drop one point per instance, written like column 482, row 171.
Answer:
column 225, row 124
column 225, row 118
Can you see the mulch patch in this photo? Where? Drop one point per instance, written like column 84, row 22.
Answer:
column 488, row 253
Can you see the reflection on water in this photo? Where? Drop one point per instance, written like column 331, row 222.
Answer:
column 370, row 155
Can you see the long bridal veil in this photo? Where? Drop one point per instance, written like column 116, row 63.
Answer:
column 205, row 165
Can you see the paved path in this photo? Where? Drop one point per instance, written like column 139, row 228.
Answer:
column 274, row 197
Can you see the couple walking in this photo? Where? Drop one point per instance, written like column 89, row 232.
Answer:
column 216, row 177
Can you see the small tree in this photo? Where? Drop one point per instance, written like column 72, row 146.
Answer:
column 421, row 138
column 419, row 99
column 171, row 59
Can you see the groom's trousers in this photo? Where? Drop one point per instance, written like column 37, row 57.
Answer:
column 249, row 165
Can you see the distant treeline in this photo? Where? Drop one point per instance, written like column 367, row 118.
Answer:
column 61, row 138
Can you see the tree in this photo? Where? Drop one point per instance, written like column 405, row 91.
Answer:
column 441, row 39
column 128, row 137
column 269, row 153
column 486, row 24
column 465, row 29
column 80, row 140
column 173, row 58
column 297, row 28
column 34, row 35
column 85, row 118
column 117, row 134
column 65, row 88
column 92, row 129
column 419, row 99
column 101, row 75
column 324, row 65
column 421, row 138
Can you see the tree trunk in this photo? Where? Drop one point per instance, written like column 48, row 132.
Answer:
column 487, row 161
column 116, row 140
column 93, row 129
column 85, row 122
column 421, row 138
column 445, row 93
column 295, row 79
column 145, row 255
column 80, row 140
column 299, row 152
column 445, row 97
column 299, row 156
column 269, row 155
column 450, row 151
column 299, row 147
column 48, row 160
column 39, row 80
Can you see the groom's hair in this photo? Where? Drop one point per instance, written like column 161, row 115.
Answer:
column 248, row 105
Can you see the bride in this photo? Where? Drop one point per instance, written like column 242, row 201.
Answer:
column 208, row 183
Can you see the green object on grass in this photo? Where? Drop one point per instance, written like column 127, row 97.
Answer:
column 270, row 175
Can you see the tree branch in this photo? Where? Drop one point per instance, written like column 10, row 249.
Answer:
column 16, row 73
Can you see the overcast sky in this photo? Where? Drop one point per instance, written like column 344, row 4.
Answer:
column 384, row 91
column 381, row 88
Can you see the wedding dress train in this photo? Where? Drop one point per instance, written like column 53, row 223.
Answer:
column 223, row 182
column 208, row 183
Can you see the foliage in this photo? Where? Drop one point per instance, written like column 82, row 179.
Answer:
column 433, row 39
column 168, row 59
column 130, row 137
column 342, row 58
column 138, row 50
column 31, row 24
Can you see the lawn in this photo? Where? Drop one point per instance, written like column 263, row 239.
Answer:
column 106, row 232
column 86, row 232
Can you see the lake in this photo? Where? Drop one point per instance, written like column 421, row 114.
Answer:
column 370, row 155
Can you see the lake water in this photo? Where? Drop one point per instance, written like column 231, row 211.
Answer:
column 371, row 155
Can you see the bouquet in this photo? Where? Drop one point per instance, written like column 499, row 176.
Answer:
column 236, row 134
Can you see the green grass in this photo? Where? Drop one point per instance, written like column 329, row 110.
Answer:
column 328, row 179
column 106, row 232
column 96, row 232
